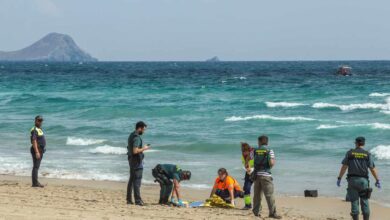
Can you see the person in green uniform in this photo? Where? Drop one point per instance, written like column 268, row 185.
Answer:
column 135, row 156
column 38, row 148
column 169, row 177
column 264, row 161
column 358, row 161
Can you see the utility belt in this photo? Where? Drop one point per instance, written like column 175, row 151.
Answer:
column 355, row 175
column 160, row 175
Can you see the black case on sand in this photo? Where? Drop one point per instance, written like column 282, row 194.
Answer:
column 311, row 193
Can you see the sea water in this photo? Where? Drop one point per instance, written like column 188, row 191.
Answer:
column 197, row 115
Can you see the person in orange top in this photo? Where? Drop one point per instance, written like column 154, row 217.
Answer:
column 226, row 187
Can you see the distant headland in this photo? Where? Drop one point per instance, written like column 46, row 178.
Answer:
column 53, row 47
column 213, row 59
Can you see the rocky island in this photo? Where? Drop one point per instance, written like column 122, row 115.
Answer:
column 54, row 47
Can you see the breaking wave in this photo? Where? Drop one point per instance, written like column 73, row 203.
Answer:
column 328, row 126
column 267, row 117
column 351, row 107
column 381, row 152
column 283, row 104
column 377, row 94
column 82, row 141
column 107, row 149
column 379, row 126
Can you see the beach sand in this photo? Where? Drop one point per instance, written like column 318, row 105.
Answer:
column 78, row 199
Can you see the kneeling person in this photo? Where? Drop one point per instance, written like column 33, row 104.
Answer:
column 226, row 187
column 169, row 177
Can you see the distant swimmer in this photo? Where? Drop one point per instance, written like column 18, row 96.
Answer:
column 135, row 152
column 226, row 187
column 264, row 162
column 38, row 148
column 248, row 163
column 169, row 177
column 358, row 161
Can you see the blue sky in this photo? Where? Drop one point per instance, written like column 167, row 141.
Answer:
column 182, row 30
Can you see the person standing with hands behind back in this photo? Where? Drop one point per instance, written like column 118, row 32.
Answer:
column 37, row 149
column 358, row 161
column 135, row 148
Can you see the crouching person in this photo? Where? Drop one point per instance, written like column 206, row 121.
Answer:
column 226, row 187
column 169, row 177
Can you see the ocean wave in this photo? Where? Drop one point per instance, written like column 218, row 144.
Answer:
column 351, row 107
column 107, row 149
column 386, row 112
column 82, row 141
column 240, row 77
column 268, row 117
column 283, row 104
column 329, row 126
column 379, row 126
column 377, row 94
column 381, row 152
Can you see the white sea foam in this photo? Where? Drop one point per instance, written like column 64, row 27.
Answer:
column 268, row 117
column 351, row 107
column 240, row 77
column 283, row 104
column 386, row 112
column 380, row 126
column 107, row 149
column 328, row 127
column 82, row 141
column 377, row 94
column 382, row 152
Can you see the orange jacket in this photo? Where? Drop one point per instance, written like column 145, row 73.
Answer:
column 229, row 183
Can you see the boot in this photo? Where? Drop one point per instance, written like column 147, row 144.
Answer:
column 355, row 217
column 366, row 216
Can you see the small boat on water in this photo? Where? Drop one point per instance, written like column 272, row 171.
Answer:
column 344, row 70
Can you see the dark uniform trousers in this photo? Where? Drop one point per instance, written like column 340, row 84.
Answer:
column 134, row 183
column 166, row 184
column 357, row 185
column 36, row 165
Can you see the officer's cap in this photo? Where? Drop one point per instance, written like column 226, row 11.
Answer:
column 360, row 140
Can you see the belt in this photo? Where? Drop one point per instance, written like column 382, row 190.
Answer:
column 355, row 175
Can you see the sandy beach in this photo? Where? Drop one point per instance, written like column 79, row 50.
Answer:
column 78, row 199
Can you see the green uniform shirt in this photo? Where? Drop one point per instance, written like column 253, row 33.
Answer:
column 135, row 141
column 358, row 161
column 172, row 171
column 37, row 134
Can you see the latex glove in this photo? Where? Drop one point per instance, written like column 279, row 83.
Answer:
column 173, row 200
column 338, row 182
column 180, row 202
column 378, row 184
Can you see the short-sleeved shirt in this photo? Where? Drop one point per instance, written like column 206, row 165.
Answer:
column 135, row 141
column 358, row 161
column 38, row 135
column 271, row 156
column 226, row 184
column 172, row 171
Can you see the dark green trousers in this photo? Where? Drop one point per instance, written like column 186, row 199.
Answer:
column 355, row 186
